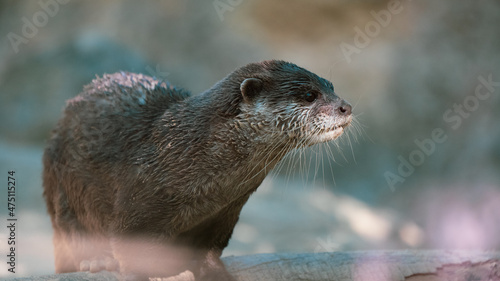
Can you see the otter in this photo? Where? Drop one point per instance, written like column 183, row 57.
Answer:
column 143, row 178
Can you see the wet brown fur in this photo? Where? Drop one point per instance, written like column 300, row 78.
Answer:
column 136, row 167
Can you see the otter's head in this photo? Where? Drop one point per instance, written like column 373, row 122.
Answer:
column 287, row 101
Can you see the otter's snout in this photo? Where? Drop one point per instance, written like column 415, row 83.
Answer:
column 343, row 108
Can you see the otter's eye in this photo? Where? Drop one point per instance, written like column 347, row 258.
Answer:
column 310, row 96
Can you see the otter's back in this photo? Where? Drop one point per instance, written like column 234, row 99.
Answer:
column 108, row 124
column 112, row 115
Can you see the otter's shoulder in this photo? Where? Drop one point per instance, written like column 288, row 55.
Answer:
column 124, row 93
column 118, row 104
column 130, row 90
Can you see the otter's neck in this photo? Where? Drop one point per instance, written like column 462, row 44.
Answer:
column 209, row 133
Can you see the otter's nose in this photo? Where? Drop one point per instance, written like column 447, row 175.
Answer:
column 344, row 108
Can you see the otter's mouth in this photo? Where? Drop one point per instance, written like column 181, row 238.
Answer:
column 330, row 133
column 334, row 128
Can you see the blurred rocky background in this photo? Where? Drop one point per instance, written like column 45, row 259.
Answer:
column 421, row 171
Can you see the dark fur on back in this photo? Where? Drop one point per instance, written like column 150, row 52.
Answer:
column 135, row 160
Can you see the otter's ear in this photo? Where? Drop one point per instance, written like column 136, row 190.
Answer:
column 250, row 87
